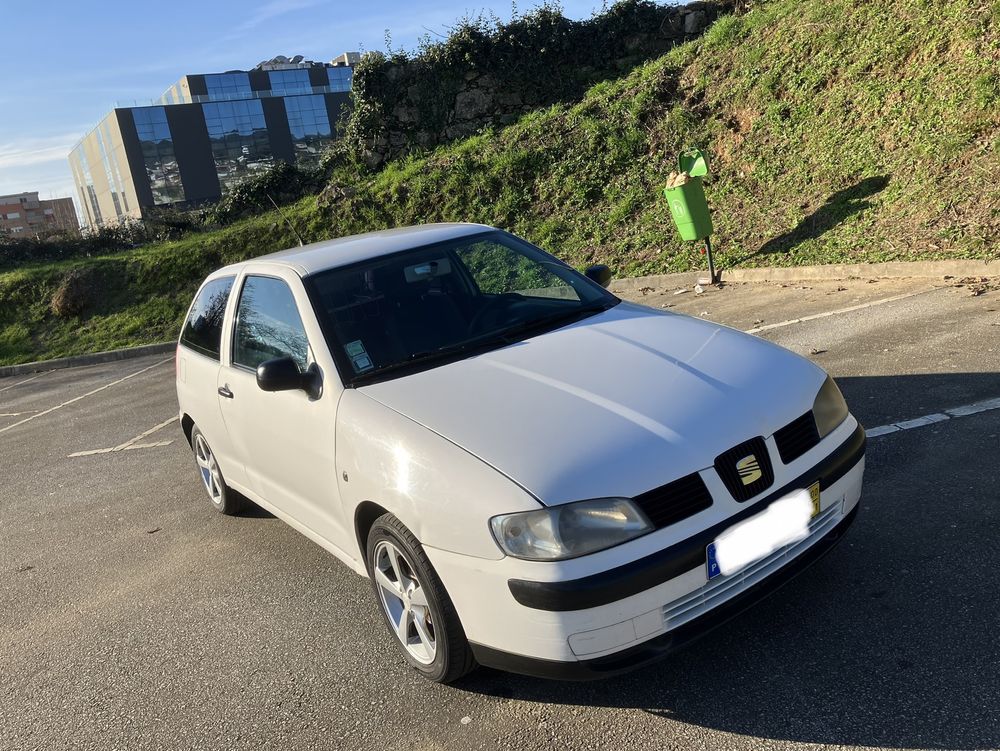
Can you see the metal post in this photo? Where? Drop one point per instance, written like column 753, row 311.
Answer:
column 711, row 261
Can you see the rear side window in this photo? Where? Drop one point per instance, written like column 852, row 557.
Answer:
column 203, row 328
column 268, row 325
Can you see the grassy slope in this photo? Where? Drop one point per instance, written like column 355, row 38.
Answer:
column 839, row 130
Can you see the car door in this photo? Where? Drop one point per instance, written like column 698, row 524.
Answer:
column 198, row 364
column 285, row 438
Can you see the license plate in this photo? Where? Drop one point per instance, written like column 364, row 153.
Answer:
column 814, row 497
column 711, row 557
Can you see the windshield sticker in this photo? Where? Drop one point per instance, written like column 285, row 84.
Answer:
column 359, row 357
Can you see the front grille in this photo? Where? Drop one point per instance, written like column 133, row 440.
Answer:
column 754, row 465
column 719, row 590
column 675, row 501
column 797, row 437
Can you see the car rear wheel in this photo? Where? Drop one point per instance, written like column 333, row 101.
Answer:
column 223, row 499
column 414, row 603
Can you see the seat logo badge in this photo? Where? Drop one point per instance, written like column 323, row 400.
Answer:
column 749, row 469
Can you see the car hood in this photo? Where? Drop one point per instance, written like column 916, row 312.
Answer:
column 614, row 405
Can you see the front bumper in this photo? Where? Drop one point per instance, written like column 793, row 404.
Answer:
column 603, row 614
column 659, row 647
column 639, row 575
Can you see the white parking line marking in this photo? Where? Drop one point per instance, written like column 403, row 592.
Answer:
column 828, row 313
column 148, row 445
column 949, row 414
column 132, row 444
column 92, row 452
column 149, row 432
column 133, row 447
column 17, row 414
column 84, row 396
column 5, row 388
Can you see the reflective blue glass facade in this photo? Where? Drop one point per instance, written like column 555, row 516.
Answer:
column 158, row 154
column 290, row 82
column 309, row 125
column 240, row 142
column 222, row 86
column 208, row 132
column 340, row 78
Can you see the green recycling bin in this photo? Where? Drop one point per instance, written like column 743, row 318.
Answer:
column 694, row 162
column 690, row 209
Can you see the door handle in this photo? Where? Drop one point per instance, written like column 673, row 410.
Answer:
column 224, row 391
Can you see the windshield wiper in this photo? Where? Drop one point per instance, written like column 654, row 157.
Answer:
column 508, row 334
column 431, row 354
column 505, row 336
column 563, row 316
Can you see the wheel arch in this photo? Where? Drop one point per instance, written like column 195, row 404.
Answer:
column 187, row 425
column 364, row 517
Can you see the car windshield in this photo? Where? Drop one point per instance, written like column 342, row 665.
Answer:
column 423, row 307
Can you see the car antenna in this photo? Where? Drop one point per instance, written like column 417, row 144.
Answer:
column 290, row 225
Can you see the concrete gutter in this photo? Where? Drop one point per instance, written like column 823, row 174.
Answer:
column 91, row 359
column 895, row 270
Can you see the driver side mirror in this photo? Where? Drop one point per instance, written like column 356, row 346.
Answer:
column 599, row 273
column 282, row 374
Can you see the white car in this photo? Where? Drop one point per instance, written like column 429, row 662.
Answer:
column 535, row 475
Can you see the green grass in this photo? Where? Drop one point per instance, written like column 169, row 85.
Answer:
column 838, row 131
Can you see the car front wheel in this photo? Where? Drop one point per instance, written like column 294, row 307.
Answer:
column 415, row 605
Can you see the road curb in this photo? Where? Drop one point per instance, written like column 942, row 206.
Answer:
column 893, row 270
column 94, row 358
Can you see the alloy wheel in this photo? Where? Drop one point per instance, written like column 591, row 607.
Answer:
column 210, row 475
column 404, row 602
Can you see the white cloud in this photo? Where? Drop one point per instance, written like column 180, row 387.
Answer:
column 51, row 180
column 24, row 152
column 273, row 9
column 38, row 163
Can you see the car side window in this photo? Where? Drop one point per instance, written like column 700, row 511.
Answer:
column 268, row 324
column 498, row 269
column 202, row 331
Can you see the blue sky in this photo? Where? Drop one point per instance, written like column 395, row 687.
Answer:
column 66, row 63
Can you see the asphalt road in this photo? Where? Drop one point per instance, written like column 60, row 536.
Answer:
column 134, row 616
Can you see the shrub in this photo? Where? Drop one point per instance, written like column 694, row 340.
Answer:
column 161, row 225
column 75, row 293
column 487, row 72
column 281, row 182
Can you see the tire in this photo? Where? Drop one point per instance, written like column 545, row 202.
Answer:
column 223, row 499
column 414, row 603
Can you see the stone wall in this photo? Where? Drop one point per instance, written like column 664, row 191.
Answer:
column 481, row 78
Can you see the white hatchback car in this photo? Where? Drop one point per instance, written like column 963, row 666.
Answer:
column 535, row 475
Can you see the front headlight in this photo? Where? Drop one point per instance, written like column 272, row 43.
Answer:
column 560, row 532
column 829, row 409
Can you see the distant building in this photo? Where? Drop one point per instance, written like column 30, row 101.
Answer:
column 206, row 133
column 25, row 215
column 348, row 58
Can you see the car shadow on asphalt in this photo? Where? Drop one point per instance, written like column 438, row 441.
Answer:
column 251, row 510
column 889, row 641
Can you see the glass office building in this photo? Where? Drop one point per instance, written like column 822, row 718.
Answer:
column 208, row 132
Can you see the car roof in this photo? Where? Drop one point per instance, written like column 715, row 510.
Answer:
column 344, row 251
